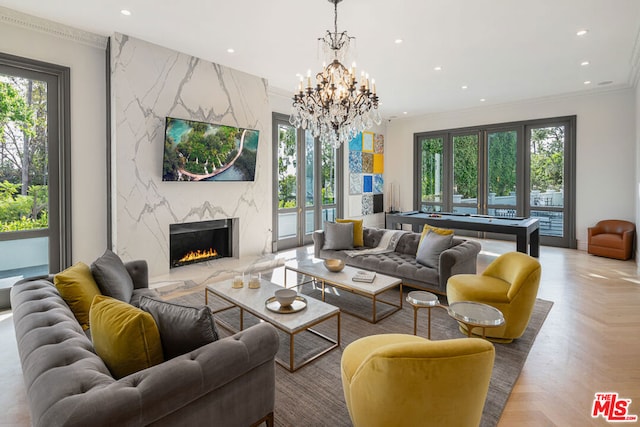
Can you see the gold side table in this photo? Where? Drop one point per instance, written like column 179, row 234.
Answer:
column 422, row 299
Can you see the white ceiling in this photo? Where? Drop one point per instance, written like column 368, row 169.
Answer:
column 503, row 50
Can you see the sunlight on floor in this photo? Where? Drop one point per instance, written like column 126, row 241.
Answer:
column 493, row 254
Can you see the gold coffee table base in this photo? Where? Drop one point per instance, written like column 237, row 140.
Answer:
column 318, row 274
column 252, row 301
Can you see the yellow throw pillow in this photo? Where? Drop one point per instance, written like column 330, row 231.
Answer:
column 437, row 230
column 358, row 231
column 126, row 338
column 77, row 287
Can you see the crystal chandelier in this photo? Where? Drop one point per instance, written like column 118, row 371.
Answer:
column 336, row 109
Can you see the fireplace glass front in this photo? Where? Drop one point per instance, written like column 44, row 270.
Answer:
column 200, row 241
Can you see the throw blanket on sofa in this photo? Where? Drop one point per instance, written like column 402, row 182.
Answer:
column 388, row 243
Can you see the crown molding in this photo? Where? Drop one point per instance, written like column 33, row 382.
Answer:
column 13, row 17
column 634, row 73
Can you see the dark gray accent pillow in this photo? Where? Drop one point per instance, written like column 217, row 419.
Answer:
column 431, row 247
column 112, row 277
column 182, row 328
column 338, row 236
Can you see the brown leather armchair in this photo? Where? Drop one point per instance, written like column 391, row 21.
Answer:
column 611, row 238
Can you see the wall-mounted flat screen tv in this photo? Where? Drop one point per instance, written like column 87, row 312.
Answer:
column 197, row 151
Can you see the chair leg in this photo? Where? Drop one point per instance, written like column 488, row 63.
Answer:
column 266, row 419
column 269, row 420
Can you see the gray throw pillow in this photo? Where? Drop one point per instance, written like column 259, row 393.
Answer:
column 182, row 328
column 338, row 236
column 431, row 247
column 112, row 277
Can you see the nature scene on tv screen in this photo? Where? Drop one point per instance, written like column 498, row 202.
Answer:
column 197, row 151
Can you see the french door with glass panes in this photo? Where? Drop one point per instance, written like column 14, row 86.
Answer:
column 34, row 169
column 306, row 184
column 467, row 172
column 551, row 188
column 470, row 172
column 512, row 170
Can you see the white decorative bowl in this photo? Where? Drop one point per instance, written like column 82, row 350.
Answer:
column 334, row 265
column 286, row 296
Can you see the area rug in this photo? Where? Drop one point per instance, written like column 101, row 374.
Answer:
column 312, row 396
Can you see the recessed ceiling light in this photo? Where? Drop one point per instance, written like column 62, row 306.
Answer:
column 398, row 41
column 125, row 12
column 582, row 33
column 482, row 99
column 437, row 68
column 587, row 82
column 464, row 87
column 231, row 50
column 405, row 112
column 584, row 63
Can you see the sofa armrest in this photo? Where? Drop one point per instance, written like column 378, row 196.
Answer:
column 318, row 242
column 459, row 259
column 232, row 364
column 240, row 368
column 139, row 272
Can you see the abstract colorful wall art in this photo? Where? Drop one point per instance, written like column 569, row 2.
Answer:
column 366, row 168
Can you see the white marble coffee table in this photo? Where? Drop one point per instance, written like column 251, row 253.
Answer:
column 253, row 301
column 343, row 279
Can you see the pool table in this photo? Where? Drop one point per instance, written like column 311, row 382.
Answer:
column 526, row 230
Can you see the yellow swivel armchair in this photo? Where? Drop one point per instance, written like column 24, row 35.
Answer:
column 510, row 284
column 404, row 380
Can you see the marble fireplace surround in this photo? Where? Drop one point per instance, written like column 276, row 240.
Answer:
column 149, row 83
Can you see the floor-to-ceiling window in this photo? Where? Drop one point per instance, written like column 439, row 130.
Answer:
column 510, row 170
column 307, row 185
column 34, row 168
column 429, row 155
column 548, row 183
column 465, row 173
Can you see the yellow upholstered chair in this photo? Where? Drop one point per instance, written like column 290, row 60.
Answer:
column 510, row 284
column 404, row 380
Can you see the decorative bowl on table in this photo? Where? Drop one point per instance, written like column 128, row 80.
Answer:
column 334, row 265
column 286, row 296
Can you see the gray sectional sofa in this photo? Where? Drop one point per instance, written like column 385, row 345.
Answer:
column 229, row 382
column 460, row 258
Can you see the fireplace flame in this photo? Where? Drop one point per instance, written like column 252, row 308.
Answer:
column 199, row 254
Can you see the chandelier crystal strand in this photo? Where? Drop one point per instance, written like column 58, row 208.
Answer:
column 337, row 108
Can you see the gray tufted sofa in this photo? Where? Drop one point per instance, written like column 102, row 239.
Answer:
column 229, row 382
column 459, row 258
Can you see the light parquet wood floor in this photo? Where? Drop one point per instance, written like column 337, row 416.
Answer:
column 589, row 343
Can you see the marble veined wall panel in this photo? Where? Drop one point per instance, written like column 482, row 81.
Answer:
column 149, row 83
